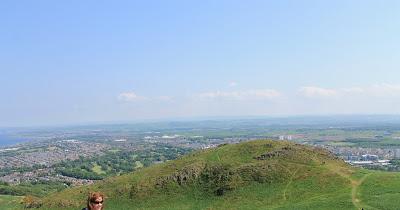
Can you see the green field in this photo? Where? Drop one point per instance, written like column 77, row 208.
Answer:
column 10, row 202
column 254, row 175
column 381, row 190
column 97, row 169
column 138, row 164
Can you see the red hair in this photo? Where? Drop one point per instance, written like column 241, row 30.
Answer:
column 92, row 198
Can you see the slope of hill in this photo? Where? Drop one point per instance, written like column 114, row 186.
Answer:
column 260, row 174
column 10, row 202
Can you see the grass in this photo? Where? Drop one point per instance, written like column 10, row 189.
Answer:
column 138, row 164
column 97, row 169
column 293, row 177
column 341, row 144
column 114, row 150
column 381, row 190
column 300, row 173
column 10, row 202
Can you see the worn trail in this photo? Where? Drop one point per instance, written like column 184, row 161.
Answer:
column 288, row 184
column 355, row 185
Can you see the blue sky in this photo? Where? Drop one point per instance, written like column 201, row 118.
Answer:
column 64, row 62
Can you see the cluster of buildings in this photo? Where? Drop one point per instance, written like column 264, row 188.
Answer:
column 288, row 137
column 45, row 155
column 49, row 154
column 44, row 174
column 367, row 159
column 357, row 153
column 366, row 156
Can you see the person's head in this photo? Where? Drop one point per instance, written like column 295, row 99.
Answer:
column 95, row 201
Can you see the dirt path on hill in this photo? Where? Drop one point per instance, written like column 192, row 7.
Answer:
column 354, row 188
column 218, row 158
column 355, row 183
column 288, row 184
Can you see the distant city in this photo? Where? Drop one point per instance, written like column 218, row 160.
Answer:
column 81, row 155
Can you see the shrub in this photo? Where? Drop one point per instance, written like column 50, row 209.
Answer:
column 217, row 178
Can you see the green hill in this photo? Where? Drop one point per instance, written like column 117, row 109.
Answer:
column 260, row 174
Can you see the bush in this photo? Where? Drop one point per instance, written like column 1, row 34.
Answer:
column 217, row 179
column 31, row 202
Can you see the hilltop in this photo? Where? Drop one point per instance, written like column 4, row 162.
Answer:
column 260, row 174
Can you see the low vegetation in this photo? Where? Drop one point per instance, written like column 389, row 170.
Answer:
column 9, row 202
column 37, row 188
column 249, row 175
column 254, row 175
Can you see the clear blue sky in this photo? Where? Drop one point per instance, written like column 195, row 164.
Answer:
column 65, row 62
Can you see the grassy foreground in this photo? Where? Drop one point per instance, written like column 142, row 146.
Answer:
column 253, row 175
column 10, row 202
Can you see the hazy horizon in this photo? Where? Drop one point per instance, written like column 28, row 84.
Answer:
column 354, row 119
column 79, row 62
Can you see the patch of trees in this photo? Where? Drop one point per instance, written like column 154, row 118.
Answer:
column 80, row 174
column 116, row 163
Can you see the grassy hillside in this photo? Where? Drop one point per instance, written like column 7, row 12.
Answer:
column 254, row 175
column 10, row 202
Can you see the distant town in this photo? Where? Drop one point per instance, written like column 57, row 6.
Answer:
column 83, row 155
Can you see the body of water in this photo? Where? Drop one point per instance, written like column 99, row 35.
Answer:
column 9, row 141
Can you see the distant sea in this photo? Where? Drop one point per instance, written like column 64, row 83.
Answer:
column 9, row 141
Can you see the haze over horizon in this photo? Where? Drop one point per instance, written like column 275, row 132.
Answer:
column 77, row 62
